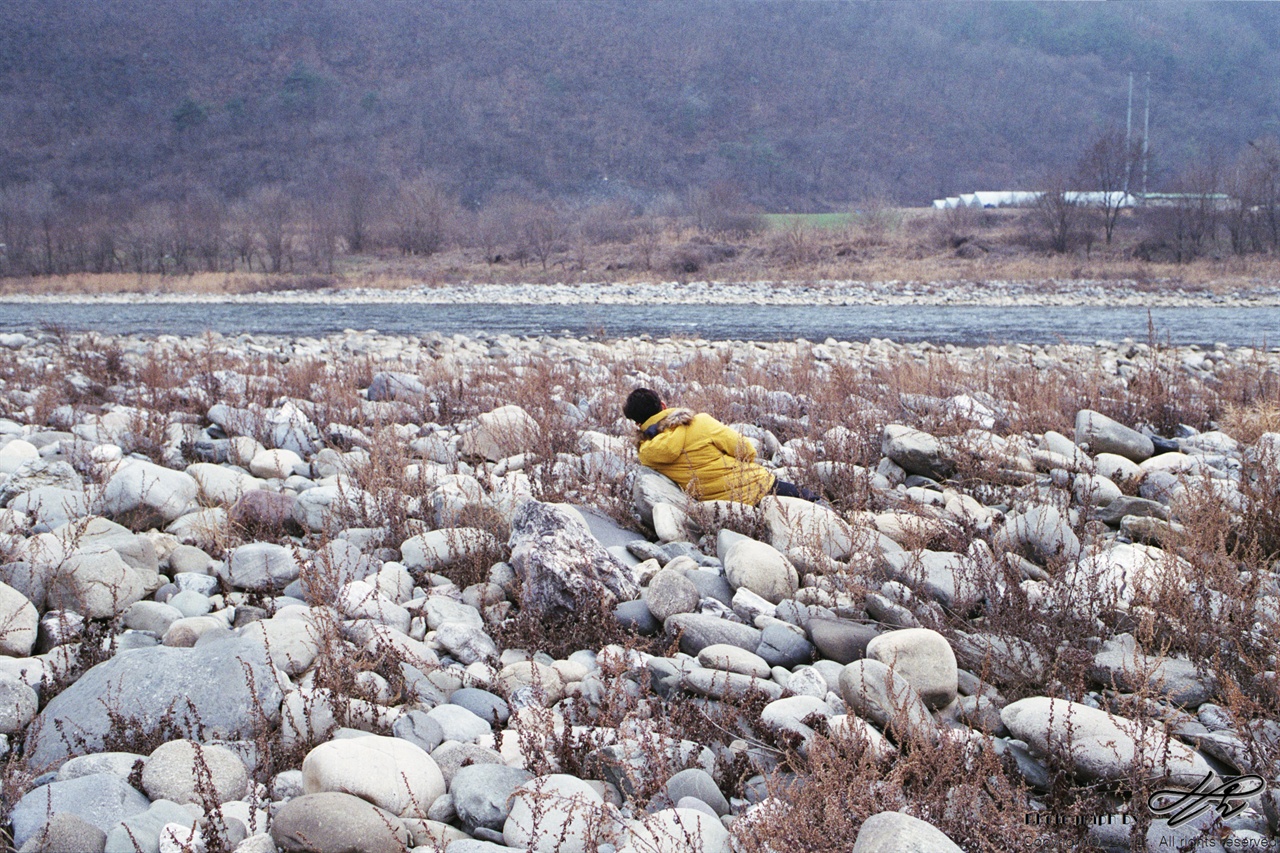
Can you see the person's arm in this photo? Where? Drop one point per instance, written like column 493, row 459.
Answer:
column 730, row 442
column 663, row 449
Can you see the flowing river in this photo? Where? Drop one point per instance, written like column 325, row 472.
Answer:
column 941, row 324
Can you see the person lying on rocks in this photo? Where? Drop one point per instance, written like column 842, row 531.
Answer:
column 703, row 456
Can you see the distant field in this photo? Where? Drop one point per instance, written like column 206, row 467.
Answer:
column 783, row 221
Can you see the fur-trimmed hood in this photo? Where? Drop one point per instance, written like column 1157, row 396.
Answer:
column 663, row 421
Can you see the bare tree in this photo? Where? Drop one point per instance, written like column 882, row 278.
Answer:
column 272, row 212
column 544, row 230
column 1106, row 169
column 321, row 235
column 1255, row 184
column 1189, row 225
column 1059, row 214
column 649, row 230
column 357, row 197
column 424, row 215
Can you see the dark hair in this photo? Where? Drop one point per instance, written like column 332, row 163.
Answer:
column 641, row 405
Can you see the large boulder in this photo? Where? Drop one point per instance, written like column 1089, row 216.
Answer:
column 148, row 494
column 99, row 799
column 260, row 566
column 437, row 549
column 1122, row 664
column 220, row 484
column 669, row 593
column 219, row 689
column 649, row 488
column 482, row 794
column 897, row 832
column 52, row 505
column 1097, row 433
column 389, row 772
column 876, row 693
column 19, row 621
column 396, row 385
column 1116, row 577
column 917, row 452
column 924, row 658
column 796, row 524
column 1102, row 747
column 761, row 568
column 506, row 431
column 1041, row 530
column 184, row 771
column 554, row 814
column 94, row 582
column 699, row 630
column 677, row 829
column 948, row 577
column 334, row 822
column 560, row 564
column 37, row 474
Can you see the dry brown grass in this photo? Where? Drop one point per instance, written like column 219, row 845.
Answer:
column 1247, row 422
column 915, row 246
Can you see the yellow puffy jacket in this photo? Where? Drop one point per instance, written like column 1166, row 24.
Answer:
column 703, row 456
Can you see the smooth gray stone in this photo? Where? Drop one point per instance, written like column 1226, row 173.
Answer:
column 622, row 555
column 719, row 684
column 711, row 585
column 142, row 831
column 881, row 696
column 211, row 679
column 395, row 385
column 800, row 614
column 452, row 756
column 337, row 823
column 473, row 845
column 841, row 640
column 421, row 688
column 699, row 631
column 685, row 549
column 65, row 832
column 895, row 832
column 607, row 531
column 117, row 763
column 781, row 646
column 458, row 723
column 642, row 549
column 699, row 784
column 1113, row 512
column 481, row 793
column 670, row 592
column 1100, row 434
column 419, row 729
column 485, row 705
column 1120, row 663
column 1161, row 486
column 636, row 616
column 917, row 452
column 100, row 799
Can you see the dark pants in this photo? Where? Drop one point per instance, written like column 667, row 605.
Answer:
column 783, row 489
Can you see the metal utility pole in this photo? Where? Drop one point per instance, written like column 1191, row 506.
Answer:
column 1128, row 134
column 1146, row 127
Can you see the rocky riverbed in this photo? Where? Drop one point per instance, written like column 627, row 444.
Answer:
column 372, row 593
column 994, row 293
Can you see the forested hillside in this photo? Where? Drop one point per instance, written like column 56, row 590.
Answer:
column 797, row 105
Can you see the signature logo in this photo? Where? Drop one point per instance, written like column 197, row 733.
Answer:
column 1182, row 806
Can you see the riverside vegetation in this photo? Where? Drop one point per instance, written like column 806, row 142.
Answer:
column 414, row 593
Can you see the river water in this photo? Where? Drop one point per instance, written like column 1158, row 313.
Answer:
column 1235, row 326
